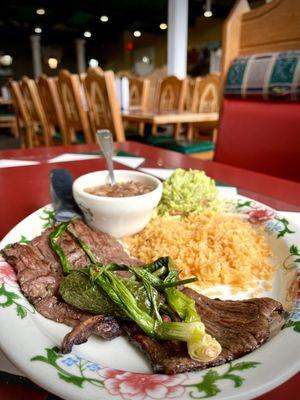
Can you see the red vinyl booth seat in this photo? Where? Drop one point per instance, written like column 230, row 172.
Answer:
column 260, row 136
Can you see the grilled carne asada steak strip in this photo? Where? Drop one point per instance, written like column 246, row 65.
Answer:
column 39, row 272
column 239, row 326
column 84, row 330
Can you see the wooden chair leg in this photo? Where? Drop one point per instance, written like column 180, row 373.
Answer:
column 154, row 129
column 14, row 129
column 29, row 133
column 47, row 135
column 72, row 135
column 190, row 132
column 141, row 128
column 19, row 126
column 87, row 134
column 23, row 139
column 177, row 131
column 52, row 133
column 214, row 135
column 64, row 134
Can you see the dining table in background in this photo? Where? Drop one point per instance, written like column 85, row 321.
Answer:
column 25, row 189
column 164, row 117
column 159, row 118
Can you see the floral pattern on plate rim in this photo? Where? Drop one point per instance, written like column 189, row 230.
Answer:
column 136, row 386
column 127, row 384
column 10, row 298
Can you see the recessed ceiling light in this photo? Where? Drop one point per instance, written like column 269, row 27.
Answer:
column 6, row 60
column 146, row 60
column 137, row 33
column 87, row 34
column 38, row 30
column 207, row 9
column 208, row 14
column 40, row 11
column 104, row 18
column 93, row 62
column 52, row 62
column 163, row 26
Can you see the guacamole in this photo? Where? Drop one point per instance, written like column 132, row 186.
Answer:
column 188, row 191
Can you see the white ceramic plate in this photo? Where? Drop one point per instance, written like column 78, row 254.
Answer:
column 116, row 370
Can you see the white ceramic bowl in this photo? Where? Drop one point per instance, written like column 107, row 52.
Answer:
column 118, row 216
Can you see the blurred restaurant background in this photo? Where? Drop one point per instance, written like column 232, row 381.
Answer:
column 186, row 75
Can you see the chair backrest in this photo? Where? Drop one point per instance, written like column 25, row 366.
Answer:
column 82, row 77
column 24, row 120
column 48, row 91
column 206, row 94
column 260, row 135
column 19, row 102
column 170, row 94
column 138, row 92
column 72, row 100
column 272, row 27
column 191, row 82
column 104, row 108
column 35, row 107
column 95, row 69
column 156, row 75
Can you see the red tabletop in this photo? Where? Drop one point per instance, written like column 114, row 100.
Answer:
column 25, row 189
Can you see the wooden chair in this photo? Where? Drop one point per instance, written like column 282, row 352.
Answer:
column 76, row 116
column 260, row 135
column 205, row 100
column 82, row 77
column 191, row 82
column 170, row 96
column 138, row 96
column 36, row 111
column 104, row 109
column 95, row 69
column 51, row 101
column 154, row 77
column 24, row 122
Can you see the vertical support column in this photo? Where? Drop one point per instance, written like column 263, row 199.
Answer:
column 36, row 55
column 80, row 53
column 177, row 37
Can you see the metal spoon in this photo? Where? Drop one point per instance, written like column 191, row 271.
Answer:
column 105, row 141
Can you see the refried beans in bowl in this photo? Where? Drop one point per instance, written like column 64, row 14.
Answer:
column 122, row 189
column 107, row 211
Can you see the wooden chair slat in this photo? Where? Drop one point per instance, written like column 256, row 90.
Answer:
column 170, row 96
column 36, row 110
column 72, row 97
column 104, row 109
column 24, row 121
column 51, row 101
column 205, row 100
column 139, row 96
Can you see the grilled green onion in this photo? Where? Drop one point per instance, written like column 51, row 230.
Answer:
column 54, row 236
column 201, row 346
column 159, row 276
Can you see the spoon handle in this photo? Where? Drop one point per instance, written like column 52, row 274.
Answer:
column 105, row 141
